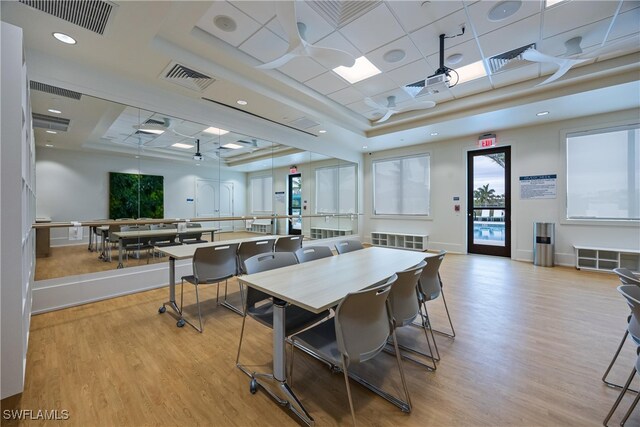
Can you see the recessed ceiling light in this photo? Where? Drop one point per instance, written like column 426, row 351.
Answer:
column 215, row 131
column 455, row 58
column 51, row 110
column 241, row 102
column 232, row 146
column 471, row 72
column 52, row 131
column 434, row 133
column 152, row 131
column 48, row 145
column 322, row 131
column 64, row 38
column 181, row 145
column 394, row 55
column 225, row 23
column 503, row 10
column 365, row 146
column 362, row 69
column 542, row 113
column 550, row 3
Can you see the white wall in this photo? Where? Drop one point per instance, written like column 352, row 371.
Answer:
column 535, row 150
column 74, row 185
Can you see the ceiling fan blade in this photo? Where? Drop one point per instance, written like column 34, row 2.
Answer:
column 533, row 55
column 564, row 67
column 330, row 57
column 371, row 103
column 384, row 118
column 424, row 105
column 286, row 15
column 279, row 62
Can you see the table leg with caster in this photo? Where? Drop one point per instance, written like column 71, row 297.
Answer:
column 172, row 295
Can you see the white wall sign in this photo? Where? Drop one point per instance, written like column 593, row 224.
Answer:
column 280, row 196
column 538, row 187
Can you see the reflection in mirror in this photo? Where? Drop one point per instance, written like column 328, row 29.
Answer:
column 147, row 181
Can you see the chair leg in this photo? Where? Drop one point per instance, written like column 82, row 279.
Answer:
column 399, row 359
column 346, row 382
column 293, row 347
column 631, row 408
column 218, row 292
column 620, row 396
column 427, row 323
column 426, row 336
column 181, row 293
column 244, row 319
column 613, row 361
column 453, row 331
column 199, row 314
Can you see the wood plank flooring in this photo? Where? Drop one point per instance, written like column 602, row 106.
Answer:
column 532, row 345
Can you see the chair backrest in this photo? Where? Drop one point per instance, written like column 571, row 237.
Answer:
column 253, row 247
column 163, row 239
column 193, row 225
column 627, row 276
column 632, row 294
column 134, row 240
column 403, row 297
column 288, row 243
column 313, row 252
column 429, row 283
column 190, row 237
column 163, row 227
column 363, row 322
column 212, row 263
column 265, row 262
column 345, row 246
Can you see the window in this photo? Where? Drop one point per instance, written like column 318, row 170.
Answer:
column 336, row 190
column 603, row 174
column 401, row 186
column 261, row 190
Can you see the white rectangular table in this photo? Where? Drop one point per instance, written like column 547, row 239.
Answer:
column 317, row 286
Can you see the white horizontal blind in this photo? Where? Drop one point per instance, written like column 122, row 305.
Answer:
column 603, row 174
column 336, row 190
column 402, row 186
column 261, row 189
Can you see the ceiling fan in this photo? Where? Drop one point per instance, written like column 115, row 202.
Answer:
column 298, row 46
column 390, row 109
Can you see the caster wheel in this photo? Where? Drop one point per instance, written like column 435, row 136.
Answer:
column 180, row 323
column 162, row 309
column 253, row 386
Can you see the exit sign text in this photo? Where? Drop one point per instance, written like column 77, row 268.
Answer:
column 487, row 141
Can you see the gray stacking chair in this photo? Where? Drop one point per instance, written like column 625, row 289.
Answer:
column 211, row 264
column 193, row 237
column 358, row 332
column 136, row 243
column 296, row 318
column 311, row 253
column 627, row 277
column 163, row 241
column 345, row 246
column 252, row 248
column 405, row 307
column 288, row 244
column 632, row 294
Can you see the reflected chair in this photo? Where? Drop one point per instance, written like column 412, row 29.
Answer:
column 632, row 294
column 345, row 246
column 358, row 332
column 288, row 244
column 258, row 305
column 193, row 237
column 627, row 277
column 163, row 241
column 211, row 264
column 252, row 248
column 311, row 253
column 136, row 244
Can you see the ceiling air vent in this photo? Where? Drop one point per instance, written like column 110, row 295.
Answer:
column 508, row 60
column 92, row 15
column 186, row 77
column 54, row 90
column 340, row 13
column 43, row 121
column 303, row 123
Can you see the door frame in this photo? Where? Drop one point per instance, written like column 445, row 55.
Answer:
column 505, row 250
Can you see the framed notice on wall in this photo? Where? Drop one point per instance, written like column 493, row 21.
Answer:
column 538, row 187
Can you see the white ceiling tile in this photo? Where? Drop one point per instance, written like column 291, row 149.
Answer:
column 336, row 40
column 375, row 85
column 478, row 13
column 302, row 68
column 574, row 14
column 374, row 29
column 326, row 83
column 360, row 107
column 246, row 26
column 511, row 36
column 515, row 75
column 261, row 11
column 591, row 34
column 411, row 73
column 627, row 23
column 316, row 27
column 468, row 50
column 347, row 95
column 411, row 54
column 428, row 38
column 469, row 88
column 413, row 14
column 264, row 45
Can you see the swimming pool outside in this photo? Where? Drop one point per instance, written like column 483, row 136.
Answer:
column 488, row 233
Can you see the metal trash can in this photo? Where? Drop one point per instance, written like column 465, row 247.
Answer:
column 544, row 239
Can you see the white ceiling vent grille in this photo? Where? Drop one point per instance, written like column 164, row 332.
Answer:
column 340, row 13
column 508, row 60
column 90, row 14
column 49, row 122
column 303, row 123
column 186, row 77
column 54, row 90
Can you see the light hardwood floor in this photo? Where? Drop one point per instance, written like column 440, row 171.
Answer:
column 532, row 345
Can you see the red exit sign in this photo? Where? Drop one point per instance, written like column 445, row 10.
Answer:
column 487, row 140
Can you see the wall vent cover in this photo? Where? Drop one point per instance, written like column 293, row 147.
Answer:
column 44, row 121
column 92, row 15
column 340, row 13
column 303, row 123
column 54, row 90
column 186, row 77
column 508, row 60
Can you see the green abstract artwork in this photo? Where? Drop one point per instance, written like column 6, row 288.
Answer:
column 135, row 196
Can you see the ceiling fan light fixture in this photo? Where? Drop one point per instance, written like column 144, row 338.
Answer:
column 504, row 10
column 225, row 23
column 394, row 55
column 361, row 70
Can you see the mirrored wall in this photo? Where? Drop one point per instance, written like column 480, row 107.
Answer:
column 110, row 169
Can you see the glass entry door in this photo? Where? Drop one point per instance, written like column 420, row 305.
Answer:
column 489, row 202
column 295, row 204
